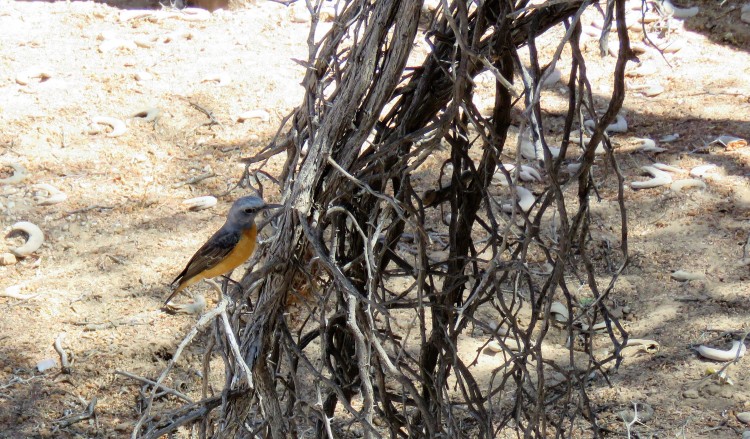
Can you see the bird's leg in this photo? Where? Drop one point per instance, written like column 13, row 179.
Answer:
column 227, row 280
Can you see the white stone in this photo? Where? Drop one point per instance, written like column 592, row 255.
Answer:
column 254, row 114
column 46, row 364
column 7, row 259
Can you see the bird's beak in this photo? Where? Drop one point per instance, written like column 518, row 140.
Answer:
column 272, row 206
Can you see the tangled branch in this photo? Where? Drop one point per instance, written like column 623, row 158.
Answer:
column 382, row 266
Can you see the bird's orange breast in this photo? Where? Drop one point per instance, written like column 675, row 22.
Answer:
column 239, row 254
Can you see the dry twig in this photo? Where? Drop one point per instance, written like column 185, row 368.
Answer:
column 65, row 364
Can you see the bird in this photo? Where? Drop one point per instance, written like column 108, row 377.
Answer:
column 228, row 248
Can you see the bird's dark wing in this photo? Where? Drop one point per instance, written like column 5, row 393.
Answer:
column 213, row 251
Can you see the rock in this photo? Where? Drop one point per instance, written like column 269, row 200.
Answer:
column 19, row 175
column 642, row 69
column 744, row 417
column 46, row 364
column 553, row 78
column 7, row 259
column 124, row 426
column 654, row 90
column 219, row 77
column 299, row 13
column 500, row 328
column 669, row 138
column 718, row 391
column 691, row 394
column 200, row 203
column 702, row 170
column 494, row 346
column 327, row 13
column 683, row 276
column 143, row 76
column 254, row 114
column 667, row 8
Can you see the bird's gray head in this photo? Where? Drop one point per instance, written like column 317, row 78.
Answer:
column 243, row 210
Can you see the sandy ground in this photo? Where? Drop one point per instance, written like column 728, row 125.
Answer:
column 122, row 234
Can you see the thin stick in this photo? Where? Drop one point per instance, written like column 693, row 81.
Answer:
column 208, row 113
column 88, row 414
column 195, row 179
column 236, row 348
column 154, row 383
column 61, row 352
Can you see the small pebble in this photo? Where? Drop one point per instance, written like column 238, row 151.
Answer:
column 299, row 13
column 642, row 69
column 254, row 114
column 702, row 170
column 13, row 290
column 682, row 276
column 143, row 76
column 654, row 90
column 494, row 346
column 46, row 364
column 327, row 13
column 7, row 259
column 669, row 138
column 200, row 203
column 691, row 394
column 744, row 417
column 500, row 328
column 221, row 78
column 124, row 426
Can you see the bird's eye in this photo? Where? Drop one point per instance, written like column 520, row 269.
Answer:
column 249, row 210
